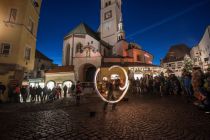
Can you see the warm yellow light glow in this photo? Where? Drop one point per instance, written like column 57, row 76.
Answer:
column 124, row 88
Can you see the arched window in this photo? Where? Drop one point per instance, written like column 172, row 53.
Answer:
column 79, row 47
column 68, row 55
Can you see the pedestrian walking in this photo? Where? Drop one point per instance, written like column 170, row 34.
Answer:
column 65, row 88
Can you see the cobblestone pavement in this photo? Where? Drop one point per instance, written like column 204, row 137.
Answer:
column 139, row 118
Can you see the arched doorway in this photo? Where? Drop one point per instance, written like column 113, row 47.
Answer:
column 87, row 73
column 90, row 73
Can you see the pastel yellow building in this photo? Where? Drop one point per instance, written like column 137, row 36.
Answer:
column 18, row 32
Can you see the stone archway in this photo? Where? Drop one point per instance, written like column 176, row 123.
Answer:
column 87, row 72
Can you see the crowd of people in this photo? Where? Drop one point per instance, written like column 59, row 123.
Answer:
column 156, row 85
column 195, row 85
column 38, row 94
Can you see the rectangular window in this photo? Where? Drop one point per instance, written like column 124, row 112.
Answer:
column 5, row 48
column 206, row 59
column 31, row 25
column 13, row 15
column 27, row 53
column 108, row 3
column 35, row 3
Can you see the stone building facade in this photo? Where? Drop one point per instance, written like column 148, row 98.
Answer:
column 88, row 50
column 18, row 33
column 175, row 58
column 204, row 48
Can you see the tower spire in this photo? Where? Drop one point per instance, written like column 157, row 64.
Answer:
column 121, row 32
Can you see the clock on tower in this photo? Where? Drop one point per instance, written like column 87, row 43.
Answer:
column 110, row 17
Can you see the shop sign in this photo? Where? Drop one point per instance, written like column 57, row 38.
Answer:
column 36, row 80
column 138, row 69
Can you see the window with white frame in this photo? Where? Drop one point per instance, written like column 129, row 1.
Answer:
column 5, row 48
column 31, row 25
column 27, row 53
column 13, row 15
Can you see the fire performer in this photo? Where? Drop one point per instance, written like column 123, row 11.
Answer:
column 110, row 95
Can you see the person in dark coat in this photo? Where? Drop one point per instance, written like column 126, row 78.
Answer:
column 45, row 90
column 17, row 94
column 65, row 88
column 33, row 94
column 38, row 93
column 24, row 93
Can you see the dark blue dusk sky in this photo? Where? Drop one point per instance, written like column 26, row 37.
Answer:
column 153, row 24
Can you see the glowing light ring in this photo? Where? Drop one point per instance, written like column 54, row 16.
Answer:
column 125, row 88
column 125, row 73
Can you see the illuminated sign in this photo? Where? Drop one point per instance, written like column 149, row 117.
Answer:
column 144, row 69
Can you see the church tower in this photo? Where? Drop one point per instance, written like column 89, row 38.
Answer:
column 111, row 13
column 121, row 32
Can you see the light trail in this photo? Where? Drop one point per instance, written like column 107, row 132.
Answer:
column 171, row 18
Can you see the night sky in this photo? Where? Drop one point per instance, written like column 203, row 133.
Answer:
column 153, row 24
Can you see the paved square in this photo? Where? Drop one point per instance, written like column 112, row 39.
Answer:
column 146, row 117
